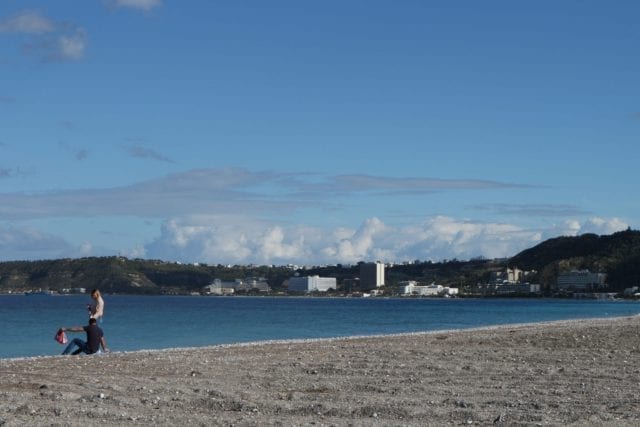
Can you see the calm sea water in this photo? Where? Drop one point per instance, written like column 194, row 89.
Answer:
column 155, row 322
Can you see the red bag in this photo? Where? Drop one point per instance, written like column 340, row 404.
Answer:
column 61, row 337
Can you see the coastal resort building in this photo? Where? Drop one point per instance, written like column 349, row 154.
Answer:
column 312, row 284
column 510, row 276
column 219, row 287
column 508, row 282
column 518, row 288
column 412, row 288
column 581, row 280
column 371, row 275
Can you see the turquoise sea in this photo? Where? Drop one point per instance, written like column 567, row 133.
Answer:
column 29, row 323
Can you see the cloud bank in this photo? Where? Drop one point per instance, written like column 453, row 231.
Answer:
column 238, row 216
column 226, row 240
column 219, row 191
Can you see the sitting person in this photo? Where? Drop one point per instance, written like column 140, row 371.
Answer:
column 95, row 339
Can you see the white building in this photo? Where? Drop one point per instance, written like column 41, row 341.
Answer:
column 580, row 280
column 371, row 275
column 514, row 275
column 256, row 283
column 432, row 290
column 518, row 288
column 312, row 284
column 406, row 288
column 218, row 287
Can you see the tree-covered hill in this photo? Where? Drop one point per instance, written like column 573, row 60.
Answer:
column 617, row 255
column 122, row 275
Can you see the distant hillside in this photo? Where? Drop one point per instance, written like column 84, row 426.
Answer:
column 112, row 274
column 122, row 275
column 617, row 254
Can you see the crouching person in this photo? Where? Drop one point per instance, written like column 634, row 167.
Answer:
column 95, row 339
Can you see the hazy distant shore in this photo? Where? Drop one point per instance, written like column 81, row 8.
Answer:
column 553, row 373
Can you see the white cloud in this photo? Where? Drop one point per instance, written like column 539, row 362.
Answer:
column 225, row 240
column 139, row 151
column 362, row 244
column 395, row 185
column 86, row 248
column 137, row 4
column 71, row 46
column 46, row 39
column 529, row 210
column 596, row 225
column 27, row 22
column 198, row 238
column 233, row 239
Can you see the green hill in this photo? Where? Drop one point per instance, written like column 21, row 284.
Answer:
column 122, row 275
column 111, row 274
column 617, row 255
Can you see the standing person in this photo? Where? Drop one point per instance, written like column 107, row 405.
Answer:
column 95, row 339
column 96, row 311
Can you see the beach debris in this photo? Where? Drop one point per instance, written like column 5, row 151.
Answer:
column 462, row 404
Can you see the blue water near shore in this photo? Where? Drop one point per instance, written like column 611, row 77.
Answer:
column 29, row 323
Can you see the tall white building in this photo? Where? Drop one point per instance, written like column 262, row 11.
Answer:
column 514, row 275
column 312, row 283
column 371, row 275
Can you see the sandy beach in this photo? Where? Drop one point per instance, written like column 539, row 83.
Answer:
column 584, row 372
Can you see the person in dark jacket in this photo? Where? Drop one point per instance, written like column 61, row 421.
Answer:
column 95, row 339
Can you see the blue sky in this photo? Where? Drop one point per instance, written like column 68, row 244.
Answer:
column 314, row 132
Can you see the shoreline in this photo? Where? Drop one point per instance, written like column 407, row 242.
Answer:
column 567, row 372
column 330, row 339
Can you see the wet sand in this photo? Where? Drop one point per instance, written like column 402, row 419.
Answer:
column 584, row 372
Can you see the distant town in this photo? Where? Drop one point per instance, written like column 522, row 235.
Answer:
column 371, row 283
